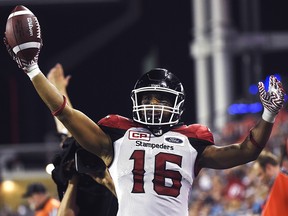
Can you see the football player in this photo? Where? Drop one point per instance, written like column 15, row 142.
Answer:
column 153, row 158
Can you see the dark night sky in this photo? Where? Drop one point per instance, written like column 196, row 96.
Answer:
column 102, row 82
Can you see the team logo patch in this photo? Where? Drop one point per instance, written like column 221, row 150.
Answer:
column 174, row 140
column 136, row 135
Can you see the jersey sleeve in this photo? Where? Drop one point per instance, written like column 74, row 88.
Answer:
column 199, row 137
column 197, row 133
column 204, row 138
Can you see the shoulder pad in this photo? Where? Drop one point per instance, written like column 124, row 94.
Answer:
column 196, row 131
column 117, row 121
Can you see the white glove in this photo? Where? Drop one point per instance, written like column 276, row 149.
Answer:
column 272, row 100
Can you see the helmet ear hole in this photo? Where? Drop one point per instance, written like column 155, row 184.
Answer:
column 168, row 90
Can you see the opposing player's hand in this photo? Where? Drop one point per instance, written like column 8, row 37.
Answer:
column 57, row 78
column 273, row 99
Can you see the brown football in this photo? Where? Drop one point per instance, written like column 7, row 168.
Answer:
column 23, row 33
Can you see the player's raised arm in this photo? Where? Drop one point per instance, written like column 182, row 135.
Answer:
column 23, row 42
column 250, row 148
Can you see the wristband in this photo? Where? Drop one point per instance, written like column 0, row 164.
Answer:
column 253, row 141
column 268, row 116
column 33, row 71
column 59, row 110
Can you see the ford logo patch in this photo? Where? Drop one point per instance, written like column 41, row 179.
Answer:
column 174, row 140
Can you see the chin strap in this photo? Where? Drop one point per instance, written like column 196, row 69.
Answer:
column 157, row 132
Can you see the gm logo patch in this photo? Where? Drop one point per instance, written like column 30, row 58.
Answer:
column 135, row 135
column 174, row 140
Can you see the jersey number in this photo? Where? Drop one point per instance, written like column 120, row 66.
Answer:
column 160, row 173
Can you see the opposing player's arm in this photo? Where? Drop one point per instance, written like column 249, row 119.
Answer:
column 68, row 206
column 248, row 150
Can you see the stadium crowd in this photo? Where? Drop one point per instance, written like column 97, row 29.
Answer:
column 237, row 191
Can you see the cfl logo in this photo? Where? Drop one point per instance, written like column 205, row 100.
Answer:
column 134, row 135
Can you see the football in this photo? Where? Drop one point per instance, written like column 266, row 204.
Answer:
column 23, row 33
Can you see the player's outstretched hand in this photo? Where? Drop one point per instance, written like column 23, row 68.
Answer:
column 273, row 99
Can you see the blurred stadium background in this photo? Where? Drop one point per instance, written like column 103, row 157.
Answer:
column 220, row 49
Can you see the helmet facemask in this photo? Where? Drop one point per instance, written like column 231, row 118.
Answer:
column 166, row 112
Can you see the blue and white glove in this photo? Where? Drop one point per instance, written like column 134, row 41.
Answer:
column 272, row 100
